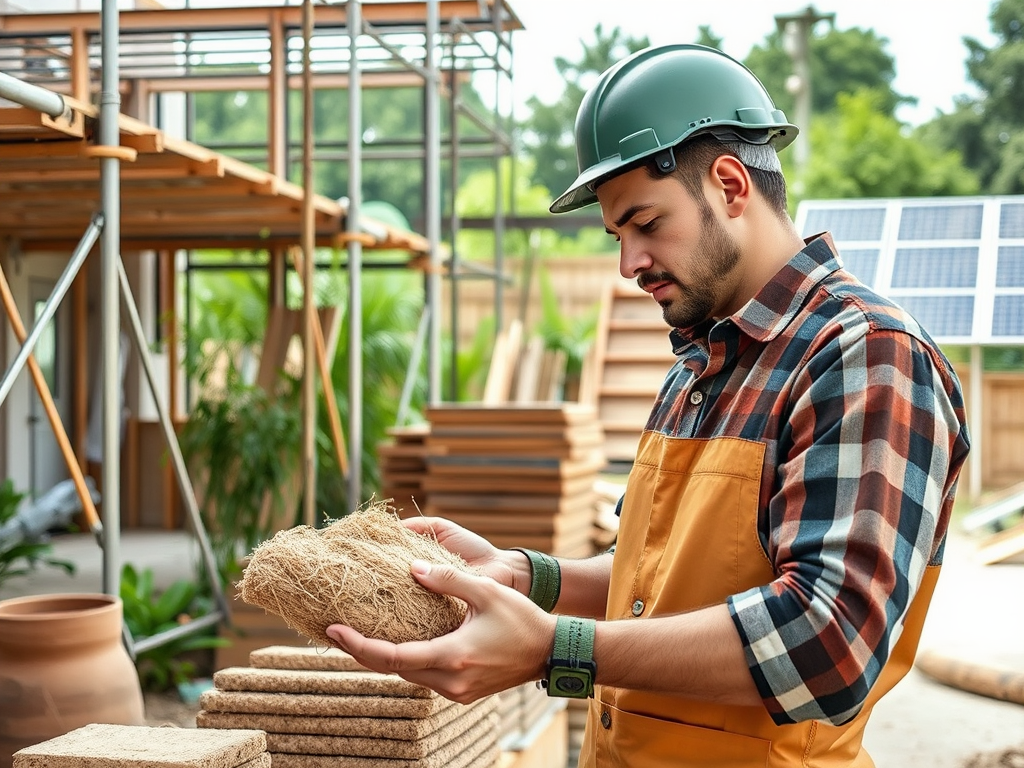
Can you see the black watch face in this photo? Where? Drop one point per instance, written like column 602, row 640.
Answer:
column 573, row 683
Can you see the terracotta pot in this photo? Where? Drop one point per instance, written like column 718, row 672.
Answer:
column 62, row 666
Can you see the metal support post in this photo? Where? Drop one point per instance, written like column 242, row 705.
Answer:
column 67, row 277
column 110, row 205
column 309, row 316
column 432, row 176
column 355, row 258
column 177, row 459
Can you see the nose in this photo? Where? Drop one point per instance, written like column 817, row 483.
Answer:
column 633, row 259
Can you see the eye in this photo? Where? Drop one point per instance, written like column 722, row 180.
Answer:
column 649, row 227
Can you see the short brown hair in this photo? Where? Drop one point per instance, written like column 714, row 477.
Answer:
column 694, row 158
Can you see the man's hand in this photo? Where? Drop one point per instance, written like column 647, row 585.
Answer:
column 506, row 567
column 505, row 640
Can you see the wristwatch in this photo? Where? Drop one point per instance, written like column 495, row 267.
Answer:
column 571, row 667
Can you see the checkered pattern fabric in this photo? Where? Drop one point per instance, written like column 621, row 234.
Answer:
column 863, row 418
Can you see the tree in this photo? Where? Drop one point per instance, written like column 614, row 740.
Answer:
column 841, row 61
column 857, row 147
column 987, row 130
column 548, row 138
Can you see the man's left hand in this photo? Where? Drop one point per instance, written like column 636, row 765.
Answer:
column 505, row 640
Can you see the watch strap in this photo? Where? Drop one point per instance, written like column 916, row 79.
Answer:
column 571, row 668
column 574, row 640
column 545, row 578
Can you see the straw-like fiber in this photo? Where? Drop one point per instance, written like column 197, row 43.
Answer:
column 351, row 746
column 475, row 748
column 295, row 657
column 314, row 705
column 379, row 727
column 355, row 571
column 311, row 681
column 140, row 746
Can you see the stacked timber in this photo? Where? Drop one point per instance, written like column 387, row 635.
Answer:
column 403, row 466
column 319, row 708
column 518, row 475
column 144, row 746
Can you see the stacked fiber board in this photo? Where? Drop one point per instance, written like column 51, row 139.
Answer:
column 140, row 746
column 519, row 475
column 402, row 460
column 320, row 709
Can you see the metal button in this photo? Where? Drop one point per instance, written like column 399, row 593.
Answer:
column 696, row 397
column 606, row 719
column 638, row 607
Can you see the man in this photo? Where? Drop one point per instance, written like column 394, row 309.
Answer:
column 784, row 520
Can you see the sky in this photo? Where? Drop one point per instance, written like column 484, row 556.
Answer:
column 925, row 38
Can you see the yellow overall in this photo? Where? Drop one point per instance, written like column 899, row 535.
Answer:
column 688, row 539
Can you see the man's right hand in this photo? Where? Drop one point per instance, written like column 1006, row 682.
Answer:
column 507, row 567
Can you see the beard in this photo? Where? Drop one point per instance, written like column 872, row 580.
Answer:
column 715, row 256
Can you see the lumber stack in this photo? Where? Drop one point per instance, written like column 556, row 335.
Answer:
column 142, row 746
column 319, row 708
column 518, row 475
column 403, row 466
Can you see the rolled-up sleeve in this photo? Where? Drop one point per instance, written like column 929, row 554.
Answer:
column 865, row 484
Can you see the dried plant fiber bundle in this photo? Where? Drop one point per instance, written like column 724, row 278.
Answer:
column 355, row 571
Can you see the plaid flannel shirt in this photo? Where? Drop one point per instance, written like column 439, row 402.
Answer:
column 863, row 419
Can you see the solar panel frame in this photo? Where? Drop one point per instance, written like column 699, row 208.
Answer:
column 986, row 224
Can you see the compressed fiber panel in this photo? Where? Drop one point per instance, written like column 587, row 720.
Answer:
column 138, row 746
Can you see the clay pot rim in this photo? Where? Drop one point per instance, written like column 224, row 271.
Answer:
column 93, row 603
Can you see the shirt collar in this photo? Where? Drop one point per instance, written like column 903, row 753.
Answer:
column 768, row 313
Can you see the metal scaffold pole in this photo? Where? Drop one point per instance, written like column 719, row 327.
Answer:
column 432, row 174
column 110, row 244
column 355, row 258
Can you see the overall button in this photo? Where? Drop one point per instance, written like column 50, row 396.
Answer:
column 696, row 397
column 638, row 607
column 606, row 719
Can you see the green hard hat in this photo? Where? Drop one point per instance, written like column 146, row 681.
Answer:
column 658, row 97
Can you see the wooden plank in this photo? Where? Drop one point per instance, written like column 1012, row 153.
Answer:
column 1002, row 546
column 513, row 483
column 517, row 503
column 478, row 413
column 531, row 466
column 529, row 370
column 504, row 357
column 557, row 525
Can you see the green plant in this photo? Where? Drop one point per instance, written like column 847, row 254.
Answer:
column 243, row 447
column 573, row 335
column 18, row 556
column 148, row 613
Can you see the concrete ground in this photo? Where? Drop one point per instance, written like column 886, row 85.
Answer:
column 977, row 614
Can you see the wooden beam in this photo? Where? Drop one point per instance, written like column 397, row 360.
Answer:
column 217, row 19
column 81, row 77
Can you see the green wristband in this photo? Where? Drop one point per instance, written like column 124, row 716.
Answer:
column 545, row 580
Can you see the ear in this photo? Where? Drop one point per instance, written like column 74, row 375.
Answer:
column 731, row 181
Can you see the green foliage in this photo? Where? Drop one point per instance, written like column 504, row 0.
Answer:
column 573, row 335
column 20, row 558
column 841, row 62
column 148, row 613
column 548, row 131
column 243, row 446
column 988, row 130
column 853, row 152
column 391, row 305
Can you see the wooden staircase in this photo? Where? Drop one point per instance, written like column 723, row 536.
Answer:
column 632, row 354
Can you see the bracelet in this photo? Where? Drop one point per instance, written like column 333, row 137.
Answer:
column 546, row 578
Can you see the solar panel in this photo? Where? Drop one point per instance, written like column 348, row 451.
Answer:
column 955, row 263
